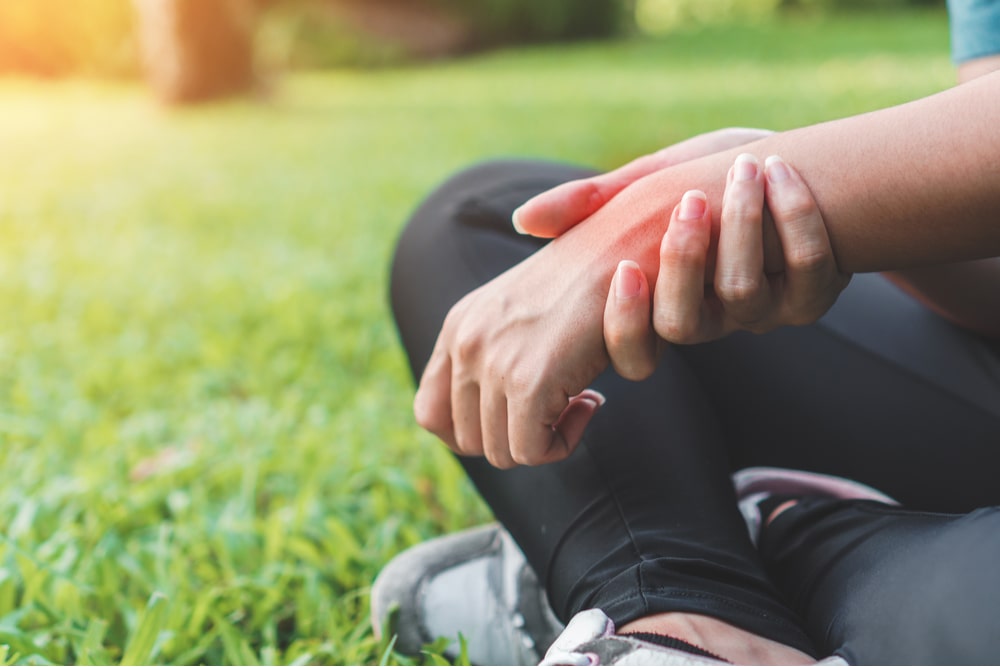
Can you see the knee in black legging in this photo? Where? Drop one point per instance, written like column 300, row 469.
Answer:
column 946, row 592
column 884, row 585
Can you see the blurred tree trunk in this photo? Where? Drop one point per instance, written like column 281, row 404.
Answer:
column 197, row 50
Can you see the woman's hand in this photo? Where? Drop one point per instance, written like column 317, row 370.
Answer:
column 554, row 212
column 508, row 378
column 509, row 373
column 689, row 306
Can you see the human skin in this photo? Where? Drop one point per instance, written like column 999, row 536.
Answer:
column 904, row 187
column 637, row 323
column 683, row 310
column 964, row 292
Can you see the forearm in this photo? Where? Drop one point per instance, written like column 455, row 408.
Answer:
column 965, row 292
column 908, row 186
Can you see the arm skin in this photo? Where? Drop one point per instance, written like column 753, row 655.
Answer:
column 904, row 187
column 964, row 292
column 907, row 186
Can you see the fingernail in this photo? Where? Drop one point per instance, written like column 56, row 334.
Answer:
column 776, row 169
column 515, row 220
column 693, row 205
column 745, row 167
column 627, row 284
column 598, row 397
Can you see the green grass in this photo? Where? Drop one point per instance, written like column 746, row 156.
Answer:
column 205, row 429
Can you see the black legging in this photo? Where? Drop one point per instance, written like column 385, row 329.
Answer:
column 642, row 518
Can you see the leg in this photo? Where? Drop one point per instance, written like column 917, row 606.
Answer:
column 883, row 585
column 642, row 519
column 880, row 390
column 887, row 393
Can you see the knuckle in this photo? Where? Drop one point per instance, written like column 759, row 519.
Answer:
column 428, row 415
column 592, row 194
column 521, row 380
column 466, row 348
column 454, row 315
column 620, row 339
column 739, row 289
column 795, row 205
column 682, row 248
column 740, row 205
column 809, row 257
column 675, row 329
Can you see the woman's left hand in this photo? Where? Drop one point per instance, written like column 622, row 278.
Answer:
column 689, row 307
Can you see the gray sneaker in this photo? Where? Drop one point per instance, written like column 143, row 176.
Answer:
column 476, row 584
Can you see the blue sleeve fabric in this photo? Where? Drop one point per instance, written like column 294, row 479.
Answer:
column 975, row 28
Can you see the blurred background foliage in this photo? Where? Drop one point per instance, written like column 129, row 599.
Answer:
column 106, row 37
column 40, row 37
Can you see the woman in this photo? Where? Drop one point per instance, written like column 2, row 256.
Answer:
column 510, row 339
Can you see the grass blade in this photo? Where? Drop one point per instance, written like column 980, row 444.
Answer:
column 140, row 648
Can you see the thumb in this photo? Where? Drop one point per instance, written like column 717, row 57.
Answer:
column 556, row 211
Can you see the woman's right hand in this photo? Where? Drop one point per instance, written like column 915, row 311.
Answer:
column 687, row 306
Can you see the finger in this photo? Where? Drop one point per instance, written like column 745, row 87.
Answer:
column 552, row 213
column 494, row 420
column 465, row 413
column 531, row 421
column 812, row 278
column 555, row 211
column 679, row 311
column 740, row 282
column 572, row 423
column 432, row 403
column 628, row 330
column 593, row 395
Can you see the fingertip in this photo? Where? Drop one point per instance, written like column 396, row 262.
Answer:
column 776, row 170
column 515, row 219
column 569, row 429
column 693, row 206
column 593, row 395
column 556, row 211
column 629, row 280
column 746, row 167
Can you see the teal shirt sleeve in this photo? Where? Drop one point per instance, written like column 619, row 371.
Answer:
column 975, row 28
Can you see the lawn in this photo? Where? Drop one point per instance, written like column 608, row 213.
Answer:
column 205, row 424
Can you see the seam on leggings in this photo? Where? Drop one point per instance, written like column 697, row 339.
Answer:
column 904, row 369
column 628, row 530
column 876, row 508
